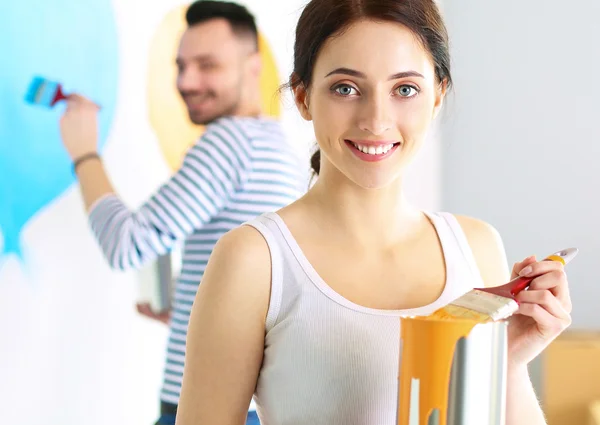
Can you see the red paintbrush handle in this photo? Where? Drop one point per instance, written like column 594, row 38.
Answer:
column 510, row 289
column 59, row 95
column 518, row 284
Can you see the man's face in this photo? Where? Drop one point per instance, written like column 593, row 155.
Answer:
column 212, row 67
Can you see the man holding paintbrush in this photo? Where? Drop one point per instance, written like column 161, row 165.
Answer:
column 241, row 167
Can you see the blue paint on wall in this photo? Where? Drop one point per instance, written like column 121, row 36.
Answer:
column 63, row 40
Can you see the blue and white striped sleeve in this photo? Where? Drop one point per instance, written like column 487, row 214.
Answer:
column 212, row 171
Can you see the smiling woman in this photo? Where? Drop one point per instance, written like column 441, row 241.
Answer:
column 406, row 84
column 374, row 103
column 300, row 308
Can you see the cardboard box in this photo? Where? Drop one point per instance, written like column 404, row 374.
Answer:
column 571, row 378
column 594, row 413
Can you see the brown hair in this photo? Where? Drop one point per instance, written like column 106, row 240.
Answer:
column 322, row 19
column 241, row 20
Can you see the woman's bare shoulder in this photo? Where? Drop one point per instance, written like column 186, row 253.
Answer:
column 243, row 246
column 488, row 249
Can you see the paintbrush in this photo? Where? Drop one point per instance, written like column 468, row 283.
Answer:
column 495, row 303
column 44, row 92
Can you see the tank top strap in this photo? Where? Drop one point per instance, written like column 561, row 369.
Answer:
column 268, row 229
column 452, row 235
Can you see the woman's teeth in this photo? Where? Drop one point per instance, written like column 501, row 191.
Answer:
column 372, row 150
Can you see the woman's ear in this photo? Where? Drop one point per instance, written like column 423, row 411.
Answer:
column 301, row 98
column 439, row 97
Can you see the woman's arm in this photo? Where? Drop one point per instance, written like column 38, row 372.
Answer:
column 522, row 405
column 225, row 338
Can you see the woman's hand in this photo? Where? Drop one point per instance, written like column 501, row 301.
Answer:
column 544, row 310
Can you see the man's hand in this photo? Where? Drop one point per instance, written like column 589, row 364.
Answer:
column 79, row 126
column 145, row 310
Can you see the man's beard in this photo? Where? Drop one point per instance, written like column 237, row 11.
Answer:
column 219, row 111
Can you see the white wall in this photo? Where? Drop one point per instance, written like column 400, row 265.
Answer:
column 521, row 137
column 519, row 149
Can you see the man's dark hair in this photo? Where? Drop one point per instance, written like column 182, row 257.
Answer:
column 241, row 20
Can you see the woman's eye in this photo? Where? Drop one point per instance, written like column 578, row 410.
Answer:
column 345, row 90
column 407, row 91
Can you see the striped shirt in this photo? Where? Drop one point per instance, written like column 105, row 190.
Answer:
column 239, row 169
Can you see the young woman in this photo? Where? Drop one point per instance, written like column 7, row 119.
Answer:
column 300, row 308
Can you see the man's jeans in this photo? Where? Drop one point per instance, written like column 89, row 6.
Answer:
column 168, row 412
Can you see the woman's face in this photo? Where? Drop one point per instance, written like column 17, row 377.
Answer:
column 372, row 99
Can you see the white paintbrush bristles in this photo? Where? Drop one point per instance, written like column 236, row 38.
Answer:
column 496, row 306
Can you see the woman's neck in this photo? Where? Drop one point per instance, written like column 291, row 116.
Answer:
column 369, row 217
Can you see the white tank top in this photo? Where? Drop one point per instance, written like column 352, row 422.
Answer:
column 327, row 360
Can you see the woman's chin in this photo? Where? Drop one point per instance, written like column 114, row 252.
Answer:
column 374, row 181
